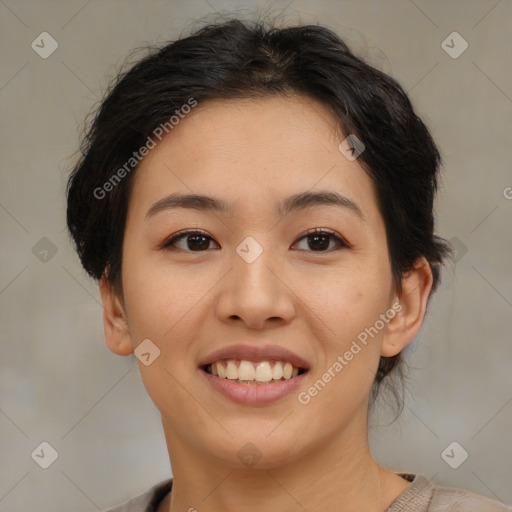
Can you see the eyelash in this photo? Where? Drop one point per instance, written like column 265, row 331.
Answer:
column 343, row 244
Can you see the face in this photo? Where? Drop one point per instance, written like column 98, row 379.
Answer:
column 250, row 284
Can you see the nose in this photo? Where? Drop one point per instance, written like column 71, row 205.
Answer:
column 256, row 293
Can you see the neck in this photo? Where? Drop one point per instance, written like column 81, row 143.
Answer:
column 338, row 475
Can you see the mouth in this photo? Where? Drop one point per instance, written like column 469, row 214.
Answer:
column 254, row 375
column 257, row 373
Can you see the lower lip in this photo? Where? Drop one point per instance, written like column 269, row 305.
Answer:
column 253, row 394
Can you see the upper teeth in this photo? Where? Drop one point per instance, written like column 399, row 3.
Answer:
column 247, row 370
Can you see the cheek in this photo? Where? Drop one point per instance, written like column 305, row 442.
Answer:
column 349, row 303
column 159, row 296
column 350, row 351
column 346, row 299
column 160, row 304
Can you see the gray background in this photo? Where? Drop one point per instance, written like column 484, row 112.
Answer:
column 60, row 384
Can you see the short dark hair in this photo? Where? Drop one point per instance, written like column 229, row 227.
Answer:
column 244, row 59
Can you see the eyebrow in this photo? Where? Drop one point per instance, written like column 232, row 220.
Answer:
column 294, row 203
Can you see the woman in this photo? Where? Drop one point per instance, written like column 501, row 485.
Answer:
column 257, row 206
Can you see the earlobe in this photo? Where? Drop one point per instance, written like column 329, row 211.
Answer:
column 117, row 334
column 410, row 307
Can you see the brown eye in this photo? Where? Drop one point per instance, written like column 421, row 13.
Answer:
column 319, row 240
column 194, row 241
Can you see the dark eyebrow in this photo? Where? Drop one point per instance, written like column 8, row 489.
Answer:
column 321, row 198
column 293, row 203
column 192, row 201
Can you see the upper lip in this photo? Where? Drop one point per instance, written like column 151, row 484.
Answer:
column 255, row 354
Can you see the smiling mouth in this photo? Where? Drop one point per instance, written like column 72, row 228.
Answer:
column 253, row 373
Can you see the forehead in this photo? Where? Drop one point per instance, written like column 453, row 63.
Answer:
column 253, row 152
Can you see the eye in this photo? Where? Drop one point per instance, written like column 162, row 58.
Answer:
column 319, row 240
column 195, row 241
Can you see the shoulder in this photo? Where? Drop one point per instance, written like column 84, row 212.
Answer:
column 458, row 500
column 148, row 501
column 423, row 496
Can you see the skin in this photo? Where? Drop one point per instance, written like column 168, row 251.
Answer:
column 253, row 153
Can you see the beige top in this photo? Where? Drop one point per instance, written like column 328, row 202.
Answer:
column 420, row 496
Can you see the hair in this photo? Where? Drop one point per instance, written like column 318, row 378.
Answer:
column 248, row 59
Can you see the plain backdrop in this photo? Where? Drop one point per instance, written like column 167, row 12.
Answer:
column 59, row 383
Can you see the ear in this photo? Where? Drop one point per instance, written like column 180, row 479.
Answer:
column 117, row 333
column 409, row 307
